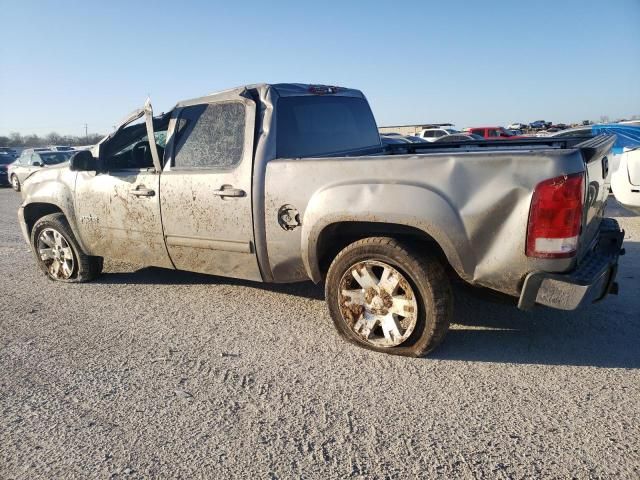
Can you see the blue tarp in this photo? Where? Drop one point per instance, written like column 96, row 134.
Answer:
column 628, row 135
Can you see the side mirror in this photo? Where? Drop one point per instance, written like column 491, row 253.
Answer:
column 83, row 161
column 37, row 164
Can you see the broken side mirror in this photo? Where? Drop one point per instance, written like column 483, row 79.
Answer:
column 83, row 161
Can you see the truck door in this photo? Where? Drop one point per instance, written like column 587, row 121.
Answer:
column 206, row 189
column 118, row 207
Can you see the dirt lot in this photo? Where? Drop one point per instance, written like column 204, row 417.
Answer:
column 148, row 373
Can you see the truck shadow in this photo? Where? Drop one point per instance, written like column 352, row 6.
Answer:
column 164, row 276
column 606, row 334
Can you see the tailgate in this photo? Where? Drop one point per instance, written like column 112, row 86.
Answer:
column 596, row 153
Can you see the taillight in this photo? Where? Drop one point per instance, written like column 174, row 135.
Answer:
column 555, row 217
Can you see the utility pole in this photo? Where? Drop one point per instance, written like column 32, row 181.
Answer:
column 86, row 132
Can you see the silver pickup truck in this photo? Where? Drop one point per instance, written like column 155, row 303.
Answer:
column 290, row 182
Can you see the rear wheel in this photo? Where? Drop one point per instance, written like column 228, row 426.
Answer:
column 58, row 254
column 15, row 183
column 387, row 296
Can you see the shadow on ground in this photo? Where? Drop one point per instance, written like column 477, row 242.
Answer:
column 163, row 276
column 602, row 335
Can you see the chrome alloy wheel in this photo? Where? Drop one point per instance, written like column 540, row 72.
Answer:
column 378, row 303
column 56, row 253
column 14, row 182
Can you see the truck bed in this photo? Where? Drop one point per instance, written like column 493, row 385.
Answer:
column 472, row 198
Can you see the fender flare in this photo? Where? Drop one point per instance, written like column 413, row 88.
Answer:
column 401, row 204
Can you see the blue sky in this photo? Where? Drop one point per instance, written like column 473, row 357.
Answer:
column 65, row 63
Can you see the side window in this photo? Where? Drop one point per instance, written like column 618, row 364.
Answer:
column 438, row 133
column 493, row 132
column 428, row 134
column 210, row 136
column 130, row 148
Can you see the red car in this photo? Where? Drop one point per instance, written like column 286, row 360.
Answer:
column 492, row 132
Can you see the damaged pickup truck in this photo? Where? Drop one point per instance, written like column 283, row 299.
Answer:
column 290, row 182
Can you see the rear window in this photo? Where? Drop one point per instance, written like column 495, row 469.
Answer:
column 320, row 125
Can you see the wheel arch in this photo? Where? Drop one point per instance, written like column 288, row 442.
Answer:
column 354, row 211
column 31, row 212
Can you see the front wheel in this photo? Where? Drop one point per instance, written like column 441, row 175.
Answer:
column 387, row 296
column 58, row 254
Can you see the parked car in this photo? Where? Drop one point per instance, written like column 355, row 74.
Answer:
column 460, row 137
column 5, row 161
column 314, row 197
column 517, row 126
column 414, row 138
column 61, row 148
column 538, row 124
column 493, row 133
column 625, row 181
column 393, row 139
column 6, row 152
column 32, row 160
column 432, row 134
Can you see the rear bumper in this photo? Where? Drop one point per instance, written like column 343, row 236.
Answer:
column 590, row 282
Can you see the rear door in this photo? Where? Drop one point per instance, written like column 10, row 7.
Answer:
column 205, row 188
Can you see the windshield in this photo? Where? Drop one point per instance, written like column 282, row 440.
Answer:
column 322, row 125
column 53, row 158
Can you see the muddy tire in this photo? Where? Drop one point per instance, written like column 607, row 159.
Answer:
column 15, row 183
column 58, row 254
column 389, row 296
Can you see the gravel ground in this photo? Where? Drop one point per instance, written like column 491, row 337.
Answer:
column 149, row 373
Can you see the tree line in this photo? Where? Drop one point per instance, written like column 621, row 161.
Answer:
column 15, row 139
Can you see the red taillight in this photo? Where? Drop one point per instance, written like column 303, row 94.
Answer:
column 555, row 217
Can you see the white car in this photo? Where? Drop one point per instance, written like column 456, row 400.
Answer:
column 625, row 181
column 432, row 134
column 517, row 126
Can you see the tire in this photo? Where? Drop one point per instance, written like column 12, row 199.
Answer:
column 58, row 254
column 15, row 183
column 422, row 293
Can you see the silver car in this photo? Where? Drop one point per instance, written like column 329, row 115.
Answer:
column 31, row 161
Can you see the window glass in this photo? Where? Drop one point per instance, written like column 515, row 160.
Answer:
column 494, row 133
column 322, row 124
column 210, row 135
column 53, row 158
column 429, row 134
column 438, row 133
column 130, row 149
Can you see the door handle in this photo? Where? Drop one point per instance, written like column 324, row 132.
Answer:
column 142, row 191
column 229, row 191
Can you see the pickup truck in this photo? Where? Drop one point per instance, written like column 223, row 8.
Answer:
column 290, row 182
column 492, row 132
